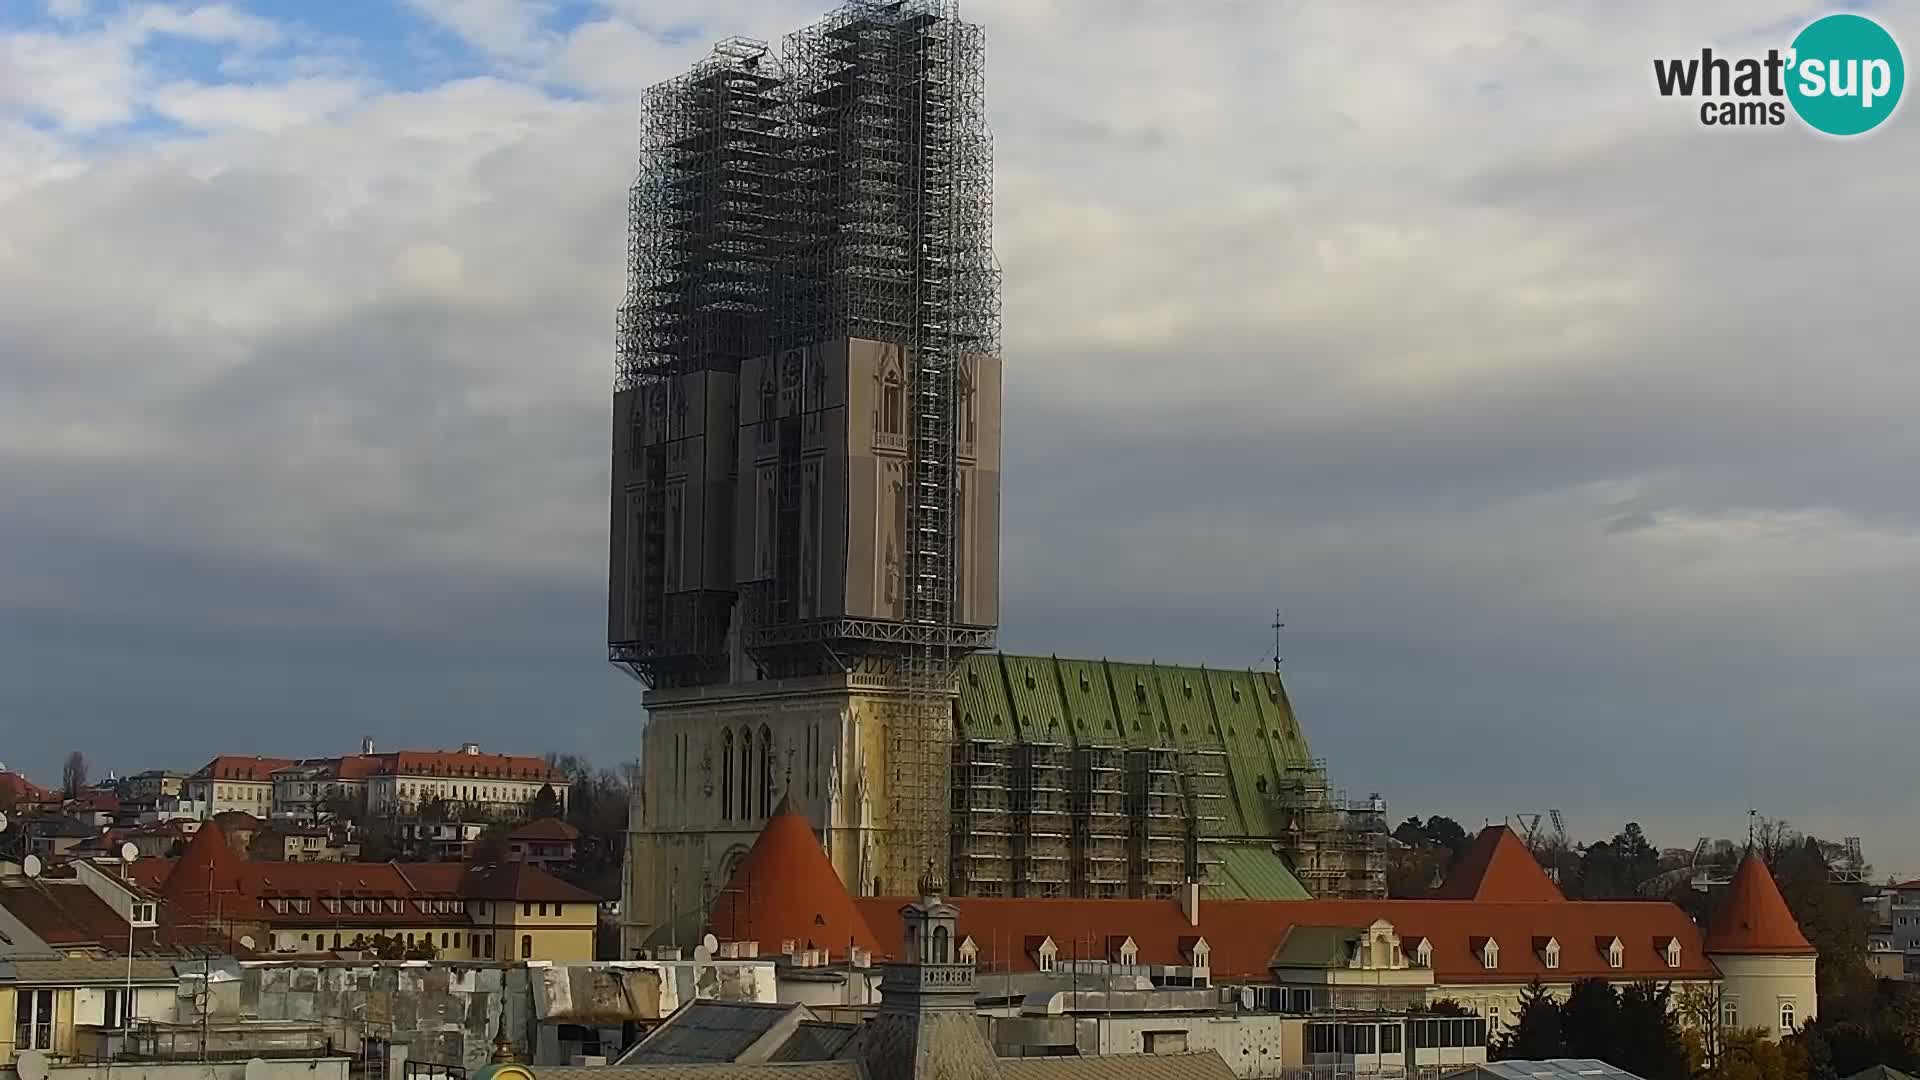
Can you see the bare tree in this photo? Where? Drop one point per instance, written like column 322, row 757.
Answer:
column 74, row 777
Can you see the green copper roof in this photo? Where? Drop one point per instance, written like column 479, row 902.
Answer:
column 1251, row 872
column 1241, row 714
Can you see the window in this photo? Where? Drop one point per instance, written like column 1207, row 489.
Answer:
column 1786, row 1018
column 336, row 941
column 456, row 940
column 1390, row 1038
column 1490, row 954
column 445, row 939
column 1616, row 956
column 1164, row 1042
column 143, row 915
column 526, row 946
column 113, row 1014
column 526, row 908
column 1045, row 957
column 1673, row 953
column 543, row 909
column 726, row 775
column 1549, row 956
column 1423, row 954
column 1730, row 1012
column 556, row 911
column 33, row 1020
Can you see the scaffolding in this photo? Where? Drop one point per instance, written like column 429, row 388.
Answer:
column 1338, row 847
column 891, row 197
column 982, row 819
column 839, row 190
column 1156, row 824
column 1203, row 779
column 1101, row 824
column 1043, row 829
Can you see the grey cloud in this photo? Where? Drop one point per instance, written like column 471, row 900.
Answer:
column 1571, row 438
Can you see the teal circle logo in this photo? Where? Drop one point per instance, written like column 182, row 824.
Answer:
column 1847, row 74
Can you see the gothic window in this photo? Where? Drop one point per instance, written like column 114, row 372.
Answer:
column 726, row 775
column 892, row 414
column 766, row 771
column 940, row 945
column 746, row 773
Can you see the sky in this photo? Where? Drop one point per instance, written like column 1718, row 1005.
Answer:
column 1572, row 438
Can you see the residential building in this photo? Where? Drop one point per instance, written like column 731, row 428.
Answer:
column 506, row 912
column 286, row 842
column 19, row 795
column 153, row 785
column 546, row 843
column 442, row 841
column 231, row 782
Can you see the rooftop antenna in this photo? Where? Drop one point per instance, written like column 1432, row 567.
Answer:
column 1277, row 627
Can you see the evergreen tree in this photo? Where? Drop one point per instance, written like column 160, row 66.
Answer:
column 1648, row 1042
column 546, row 804
column 1535, row 1034
column 1590, row 1019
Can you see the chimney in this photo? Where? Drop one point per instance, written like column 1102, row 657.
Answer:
column 1190, row 902
column 471, row 749
column 366, row 744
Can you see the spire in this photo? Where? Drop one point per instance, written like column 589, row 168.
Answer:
column 1753, row 918
column 1498, row 867
column 784, row 888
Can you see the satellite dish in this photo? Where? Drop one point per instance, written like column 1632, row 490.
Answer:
column 702, row 954
column 246, row 941
column 31, row 1064
column 129, row 853
column 3, row 823
column 256, row 1069
column 711, row 944
column 31, row 867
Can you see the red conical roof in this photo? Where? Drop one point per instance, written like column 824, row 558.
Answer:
column 1498, row 867
column 206, row 880
column 785, row 888
column 1754, row 918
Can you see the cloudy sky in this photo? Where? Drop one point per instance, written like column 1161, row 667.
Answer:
column 1572, row 437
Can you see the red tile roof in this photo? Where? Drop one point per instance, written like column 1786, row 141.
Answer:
column 1497, row 867
column 1753, row 918
column 1245, row 935
column 16, row 789
column 546, row 829
column 209, row 878
column 520, row 882
column 235, row 767
column 786, row 889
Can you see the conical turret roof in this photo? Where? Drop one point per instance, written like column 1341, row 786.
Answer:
column 1753, row 918
column 207, row 877
column 1498, row 867
column 786, row 889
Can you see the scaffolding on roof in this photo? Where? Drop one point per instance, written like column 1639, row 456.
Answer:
column 1338, row 847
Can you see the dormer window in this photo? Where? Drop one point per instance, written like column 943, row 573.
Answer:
column 1044, row 955
column 1673, row 953
column 1086, row 684
column 143, row 914
column 969, row 952
column 1616, row 955
column 1423, row 954
column 1489, row 954
column 1548, row 950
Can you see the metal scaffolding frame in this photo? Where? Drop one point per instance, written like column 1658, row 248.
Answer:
column 1338, row 846
column 1042, row 827
column 1157, row 826
column 1101, row 824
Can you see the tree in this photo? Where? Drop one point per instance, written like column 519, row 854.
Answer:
column 1752, row 1055
column 436, row 809
column 1590, row 1018
column 73, row 778
column 1831, row 916
column 1700, row 1007
column 1648, row 1042
column 1535, row 1034
column 545, row 804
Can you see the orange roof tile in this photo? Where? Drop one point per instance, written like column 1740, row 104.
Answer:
column 207, row 876
column 546, row 829
column 236, row 767
column 785, row 888
column 1498, row 867
column 1754, row 918
column 1245, row 935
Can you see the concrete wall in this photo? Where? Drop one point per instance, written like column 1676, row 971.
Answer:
column 281, row 1069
